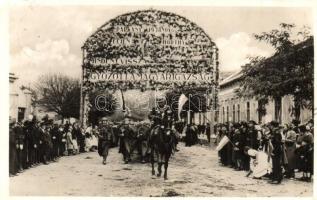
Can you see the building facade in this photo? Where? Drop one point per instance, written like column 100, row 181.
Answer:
column 20, row 100
column 235, row 109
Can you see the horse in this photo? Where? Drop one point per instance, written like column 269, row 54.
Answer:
column 161, row 143
column 143, row 136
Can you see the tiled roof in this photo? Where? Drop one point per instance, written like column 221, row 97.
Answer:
column 231, row 78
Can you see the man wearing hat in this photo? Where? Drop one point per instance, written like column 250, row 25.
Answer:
column 54, row 132
column 45, row 143
column 167, row 117
column 277, row 155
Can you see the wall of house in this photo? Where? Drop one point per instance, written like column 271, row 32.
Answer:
column 18, row 99
column 229, row 101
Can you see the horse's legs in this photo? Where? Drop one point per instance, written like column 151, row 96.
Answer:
column 144, row 151
column 159, row 168
column 166, row 166
column 152, row 161
column 160, row 163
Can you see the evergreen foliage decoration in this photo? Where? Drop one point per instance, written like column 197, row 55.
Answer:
column 148, row 41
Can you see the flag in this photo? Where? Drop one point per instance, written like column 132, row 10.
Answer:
column 222, row 143
column 181, row 101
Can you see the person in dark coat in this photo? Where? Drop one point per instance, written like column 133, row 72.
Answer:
column 80, row 138
column 45, row 144
column 54, row 132
column 277, row 156
column 167, row 116
column 237, row 148
column 13, row 160
column 244, row 141
column 33, row 141
column 29, row 151
column 36, row 143
column 20, row 145
column 254, row 142
column 104, row 139
column 25, row 150
column 208, row 132
column 229, row 145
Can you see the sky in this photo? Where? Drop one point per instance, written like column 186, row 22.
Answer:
column 48, row 39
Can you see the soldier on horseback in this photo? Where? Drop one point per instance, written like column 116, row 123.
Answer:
column 161, row 139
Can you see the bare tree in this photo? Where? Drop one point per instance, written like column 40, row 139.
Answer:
column 59, row 93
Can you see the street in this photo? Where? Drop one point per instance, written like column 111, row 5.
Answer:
column 193, row 171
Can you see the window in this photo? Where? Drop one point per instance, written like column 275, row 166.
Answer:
column 261, row 110
column 227, row 113
column 223, row 114
column 216, row 116
column 296, row 108
column 234, row 113
column 278, row 108
column 248, row 111
column 238, row 113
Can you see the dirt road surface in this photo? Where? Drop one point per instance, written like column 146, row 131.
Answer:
column 193, row 171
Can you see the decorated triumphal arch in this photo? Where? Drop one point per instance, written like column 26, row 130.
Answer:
column 148, row 50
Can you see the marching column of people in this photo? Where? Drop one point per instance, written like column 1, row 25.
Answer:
column 34, row 142
column 286, row 149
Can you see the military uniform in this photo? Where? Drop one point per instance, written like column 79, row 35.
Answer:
column 13, row 160
column 104, row 141
column 167, row 118
column 36, row 144
column 20, row 137
column 54, row 137
column 45, row 145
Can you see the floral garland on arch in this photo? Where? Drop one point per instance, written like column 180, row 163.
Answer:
column 149, row 41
